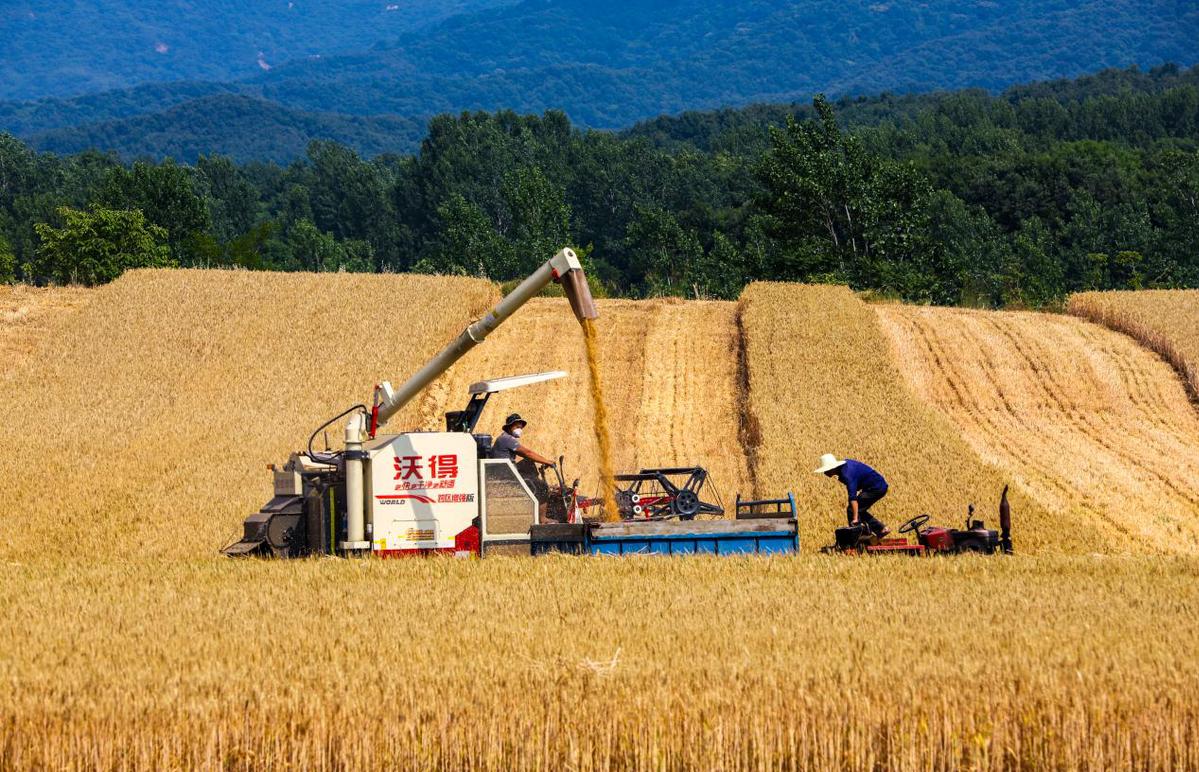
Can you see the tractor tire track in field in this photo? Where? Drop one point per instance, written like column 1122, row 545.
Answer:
column 1051, row 385
column 1084, row 419
column 954, row 390
column 1100, row 424
column 961, row 388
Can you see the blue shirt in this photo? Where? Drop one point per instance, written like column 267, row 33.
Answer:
column 860, row 478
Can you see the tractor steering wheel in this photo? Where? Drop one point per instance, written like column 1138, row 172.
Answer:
column 915, row 524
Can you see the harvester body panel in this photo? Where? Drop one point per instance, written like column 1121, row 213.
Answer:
column 422, row 490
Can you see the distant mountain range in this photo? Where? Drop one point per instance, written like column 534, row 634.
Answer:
column 57, row 49
column 608, row 66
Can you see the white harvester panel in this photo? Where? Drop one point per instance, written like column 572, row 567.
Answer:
column 423, row 489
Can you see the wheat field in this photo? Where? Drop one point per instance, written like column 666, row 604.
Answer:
column 506, row 663
column 143, row 414
column 1166, row 321
column 26, row 314
column 1083, row 419
column 822, row 380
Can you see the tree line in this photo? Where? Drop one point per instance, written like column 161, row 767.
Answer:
column 957, row 198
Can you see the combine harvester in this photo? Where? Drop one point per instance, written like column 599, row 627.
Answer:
column 416, row 493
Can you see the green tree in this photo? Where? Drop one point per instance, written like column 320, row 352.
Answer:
column 536, row 219
column 845, row 213
column 96, row 246
column 348, row 196
column 721, row 271
column 468, row 243
column 972, row 247
column 8, row 262
column 1126, row 270
column 167, row 194
column 669, row 252
column 231, row 199
column 311, row 249
column 1033, row 276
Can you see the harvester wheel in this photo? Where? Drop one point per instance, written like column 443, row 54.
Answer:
column 685, row 504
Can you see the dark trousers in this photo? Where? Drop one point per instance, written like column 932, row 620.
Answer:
column 867, row 499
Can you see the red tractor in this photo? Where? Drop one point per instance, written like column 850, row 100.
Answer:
column 931, row 540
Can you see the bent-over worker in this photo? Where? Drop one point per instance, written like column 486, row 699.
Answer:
column 865, row 486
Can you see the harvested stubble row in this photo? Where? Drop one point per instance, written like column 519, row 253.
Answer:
column 822, row 379
column 712, row 663
column 1166, row 321
column 1084, row 419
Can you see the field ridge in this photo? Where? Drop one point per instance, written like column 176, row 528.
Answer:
column 1164, row 321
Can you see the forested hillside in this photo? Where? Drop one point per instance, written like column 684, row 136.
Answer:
column 241, row 127
column 129, row 42
column 607, row 66
column 953, row 198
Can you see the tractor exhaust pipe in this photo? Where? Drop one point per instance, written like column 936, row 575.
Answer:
column 1005, row 523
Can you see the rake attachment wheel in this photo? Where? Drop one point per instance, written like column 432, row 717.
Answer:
column 685, row 504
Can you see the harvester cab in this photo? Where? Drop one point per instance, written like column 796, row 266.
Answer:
column 930, row 539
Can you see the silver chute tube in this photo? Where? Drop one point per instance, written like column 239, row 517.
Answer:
column 563, row 267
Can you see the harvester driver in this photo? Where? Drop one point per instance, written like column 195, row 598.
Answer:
column 865, row 487
column 508, row 444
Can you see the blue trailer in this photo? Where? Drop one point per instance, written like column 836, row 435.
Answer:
column 764, row 527
column 743, row 536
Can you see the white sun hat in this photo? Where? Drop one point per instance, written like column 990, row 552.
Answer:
column 828, row 462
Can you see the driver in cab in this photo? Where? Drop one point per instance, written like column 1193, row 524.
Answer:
column 509, row 445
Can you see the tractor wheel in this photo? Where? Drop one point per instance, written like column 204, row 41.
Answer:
column 973, row 547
